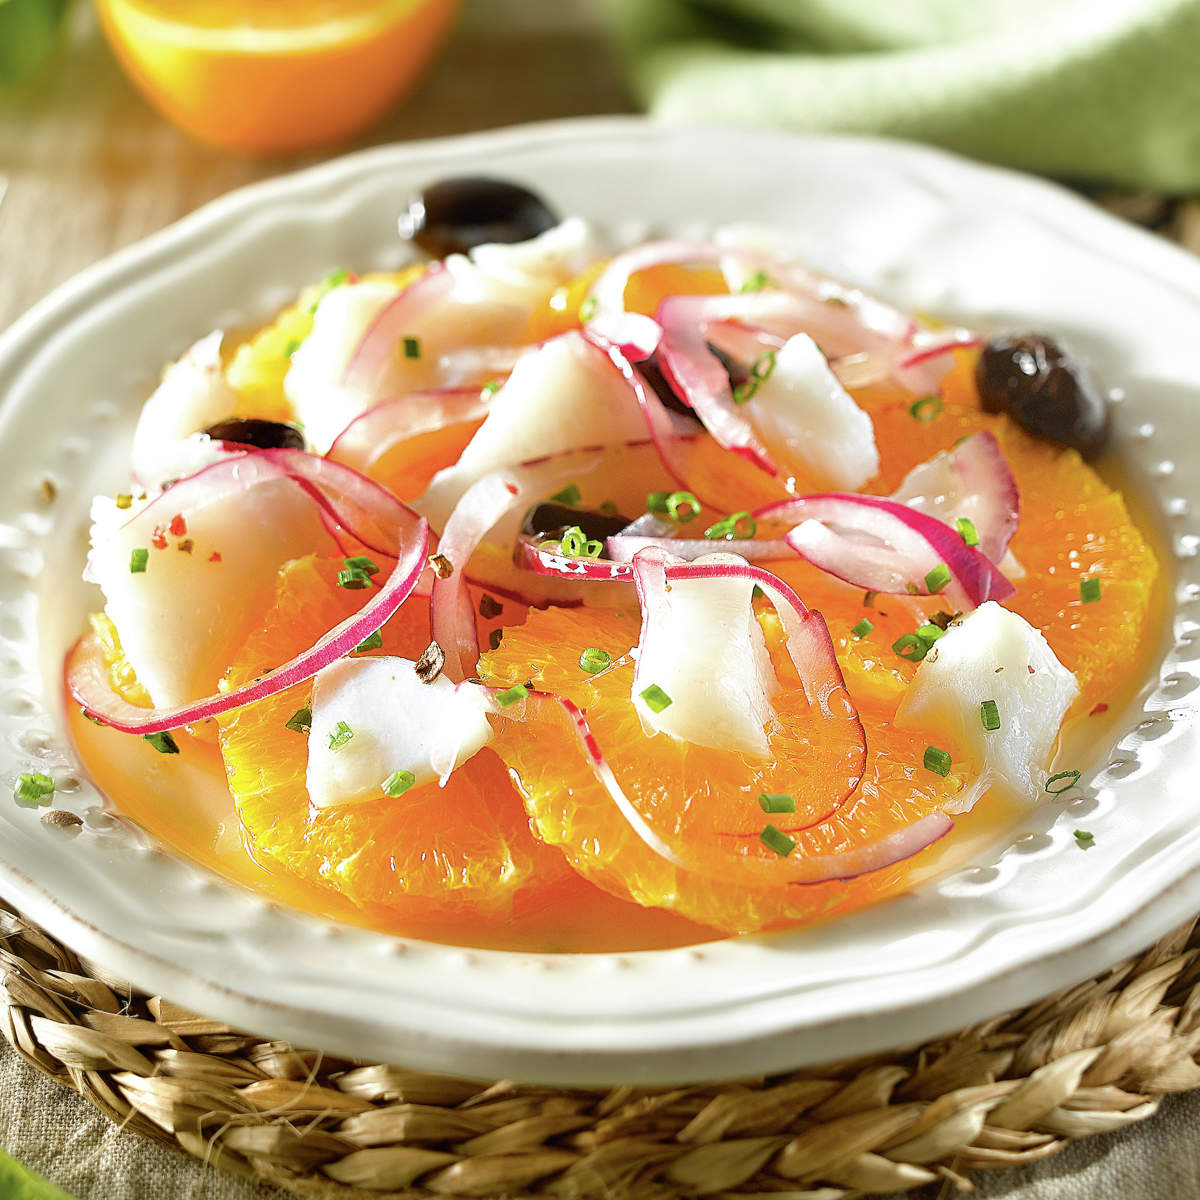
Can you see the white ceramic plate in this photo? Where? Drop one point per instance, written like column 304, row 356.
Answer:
column 931, row 232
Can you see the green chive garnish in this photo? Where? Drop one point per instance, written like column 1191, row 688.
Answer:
column 755, row 282
column 124, row 499
column 910, row 646
column 335, row 278
column 926, row 408
column 594, row 659
column 589, row 308
column 490, row 388
column 569, row 495
column 657, row 501
column 862, row 628
column 137, row 560
column 360, row 562
column 511, row 695
column 937, row 761
column 290, row 347
column 575, row 544
column 34, row 788
column 776, row 802
column 164, row 743
column 735, row 527
column 655, row 698
column 930, row 633
column 763, row 365
column 937, row 579
column 682, row 507
column 967, row 531
column 373, row 641
column 1062, row 781
column 353, row 581
column 341, row 734
column 989, row 715
column 397, row 783
column 773, row 839
column 300, row 721
column 1089, row 590
column 745, row 391
column 412, row 347
column 1084, row 839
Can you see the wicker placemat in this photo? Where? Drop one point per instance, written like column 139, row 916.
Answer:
column 1014, row 1089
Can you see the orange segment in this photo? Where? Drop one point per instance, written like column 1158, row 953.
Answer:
column 263, row 77
column 706, row 797
column 433, row 851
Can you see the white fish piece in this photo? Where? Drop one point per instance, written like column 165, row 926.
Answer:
column 530, row 271
column 313, row 383
column 804, row 415
column 559, row 397
column 702, row 646
column 396, row 723
column 181, row 620
column 193, row 394
column 994, row 654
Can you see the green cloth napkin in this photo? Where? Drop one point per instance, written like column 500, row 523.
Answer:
column 16, row 1183
column 1087, row 89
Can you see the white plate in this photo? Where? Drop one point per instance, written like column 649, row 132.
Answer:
column 933, row 233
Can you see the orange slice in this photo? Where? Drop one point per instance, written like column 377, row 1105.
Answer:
column 262, row 77
column 434, row 851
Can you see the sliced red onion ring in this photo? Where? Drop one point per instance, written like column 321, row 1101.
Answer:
column 622, row 547
column 531, row 556
column 405, row 533
column 885, row 546
column 972, row 480
column 375, row 432
column 924, row 368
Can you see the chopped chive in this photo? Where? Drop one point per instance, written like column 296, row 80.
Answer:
column 1089, row 590
column 95, row 720
column 164, row 743
column 937, row 761
column 1084, row 839
column 569, row 495
column 773, row 839
column 656, row 502
column 910, row 646
column 397, row 783
column 360, row 562
column 137, row 560
column 862, row 628
column 373, row 641
column 776, row 802
column 989, row 715
column 967, row 531
column 607, row 506
column 594, row 659
column 353, row 580
column 1064, row 781
column 763, row 365
column 755, row 282
column 756, row 593
column 735, row 527
column 33, row 787
column 341, row 734
column 575, row 544
column 124, row 499
column 490, row 388
column 511, row 695
column 290, row 347
column 930, row 633
column 655, row 698
column 937, row 579
column 589, row 308
column 682, row 507
column 300, row 721
column 335, row 278
column 745, row 390
column 926, row 408
column 412, row 347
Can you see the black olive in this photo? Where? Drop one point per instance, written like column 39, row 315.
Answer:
column 1044, row 390
column 253, row 431
column 553, row 518
column 455, row 215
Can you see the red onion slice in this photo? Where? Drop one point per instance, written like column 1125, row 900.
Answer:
column 370, row 436
column 972, row 480
column 923, row 369
column 402, row 530
column 622, row 547
column 885, row 546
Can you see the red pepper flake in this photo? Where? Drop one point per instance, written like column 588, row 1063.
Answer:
column 159, row 540
column 512, row 488
column 214, row 556
column 1031, row 670
column 178, row 526
column 1100, row 708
